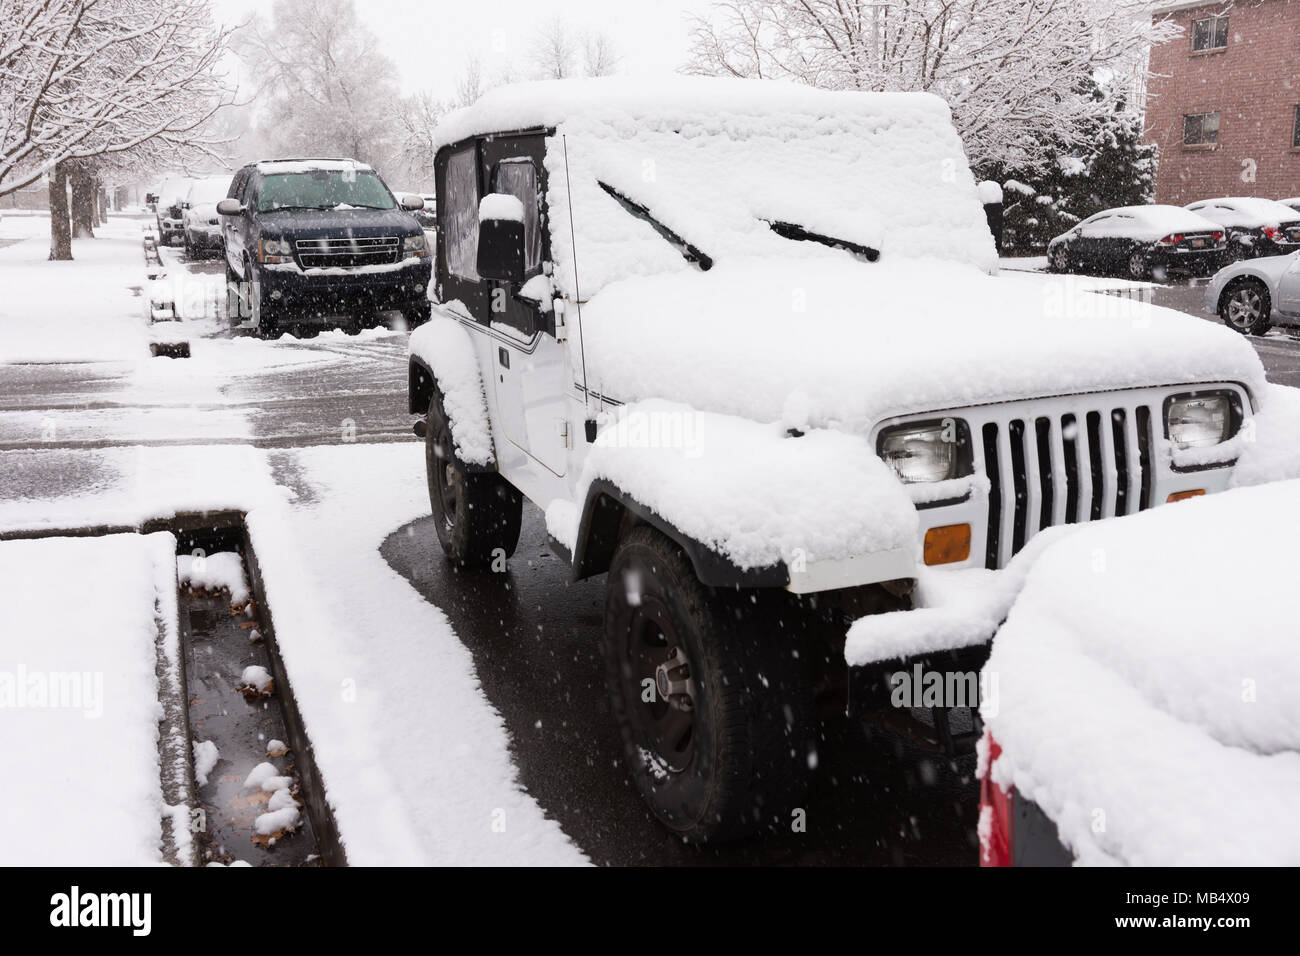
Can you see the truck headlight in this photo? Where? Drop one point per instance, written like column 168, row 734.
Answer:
column 273, row 247
column 416, row 246
column 1198, row 420
column 927, row 451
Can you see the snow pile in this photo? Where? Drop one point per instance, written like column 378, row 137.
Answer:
column 446, row 349
column 223, row 571
column 256, row 679
column 500, row 206
column 1245, row 211
column 79, row 708
column 206, row 756
column 1147, row 222
column 1154, row 718
column 727, row 482
column 1270, row 446
column 836, row 344
column 713, row 159
column 277, row 821
column 265, row 776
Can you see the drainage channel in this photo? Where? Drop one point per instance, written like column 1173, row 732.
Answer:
column 261, row 798
column 238, row 701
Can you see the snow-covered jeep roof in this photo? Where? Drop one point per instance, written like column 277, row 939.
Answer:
column 719, row 160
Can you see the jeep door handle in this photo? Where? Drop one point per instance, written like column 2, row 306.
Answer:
column 503, row 357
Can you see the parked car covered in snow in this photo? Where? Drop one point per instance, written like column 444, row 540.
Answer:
column 169, row 211
column 1294, row 203
column 1255, row 227
column 1253, row 295
column 745, row 345
column 1137, row 240
column 202, row 225
column 316, row 241
column 1137, row 722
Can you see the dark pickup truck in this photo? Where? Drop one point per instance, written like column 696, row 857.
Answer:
column 321, row 242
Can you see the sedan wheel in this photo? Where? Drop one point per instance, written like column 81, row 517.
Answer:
column 1137, row 265
column 1060, row 260
column 1246, row 307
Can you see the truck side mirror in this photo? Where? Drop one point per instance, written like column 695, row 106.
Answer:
column 501, row 238
column 412, row 203
column 230, row 207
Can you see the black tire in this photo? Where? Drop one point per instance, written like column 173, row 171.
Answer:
column 264, row 325
column 1139, row 266
column 1059, row 259
column 1246, row 307
column 477, row 516
column 234, row 315
column 417, row 314
column 723, row 748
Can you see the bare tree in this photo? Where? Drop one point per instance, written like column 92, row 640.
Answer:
column 1012, row 70
column 556, row 54
column 85, row 78
column 600, row 57
column 327, row 88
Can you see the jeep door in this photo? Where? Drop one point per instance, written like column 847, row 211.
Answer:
column 527, row 364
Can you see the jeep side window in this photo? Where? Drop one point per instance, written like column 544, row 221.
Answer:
column 460, row 218
column 518, row 177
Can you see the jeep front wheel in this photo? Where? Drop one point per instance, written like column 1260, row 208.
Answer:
column 476, row 516
column 712, row 701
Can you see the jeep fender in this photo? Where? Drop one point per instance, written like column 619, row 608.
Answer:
column 608, row 512
column 442, row 360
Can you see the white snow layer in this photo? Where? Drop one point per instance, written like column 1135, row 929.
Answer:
column 79, row 709
column 716, row 160
column 446, row 349
column 851, row 353
column 214, row 572
column 1151, row 693
column 731, row 484
column 206, row 756
column 500, row 206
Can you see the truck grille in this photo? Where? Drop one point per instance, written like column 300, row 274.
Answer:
column 347, row 253
column 1063, row 469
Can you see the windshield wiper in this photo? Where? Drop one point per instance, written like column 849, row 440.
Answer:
column 291, row 206
column 791, row 230
column 689, row 252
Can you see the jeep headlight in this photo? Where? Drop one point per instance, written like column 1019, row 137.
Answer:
column 927, row 451
column 1195, row 421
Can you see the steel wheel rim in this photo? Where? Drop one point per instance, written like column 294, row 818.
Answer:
column 653, row 651
column 1137, row 265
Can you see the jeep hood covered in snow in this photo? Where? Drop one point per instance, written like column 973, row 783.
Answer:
column 833, row 342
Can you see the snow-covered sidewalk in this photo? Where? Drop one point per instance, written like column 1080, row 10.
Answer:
column 414, row 758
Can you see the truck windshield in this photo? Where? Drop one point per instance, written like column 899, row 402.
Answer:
column 323, row 189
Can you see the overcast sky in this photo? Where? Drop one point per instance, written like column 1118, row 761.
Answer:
column 432, row 40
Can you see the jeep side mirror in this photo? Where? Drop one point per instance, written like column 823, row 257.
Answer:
column 230, row 207
column 412, row 203
column 501, row 238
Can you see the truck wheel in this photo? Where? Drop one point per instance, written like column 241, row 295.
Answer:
column 263, row 324
column 714, row 706
column 1246, row 307
column 234, row 314
column 477, row 516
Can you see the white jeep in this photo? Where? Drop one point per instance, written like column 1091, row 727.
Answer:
column 745, row 344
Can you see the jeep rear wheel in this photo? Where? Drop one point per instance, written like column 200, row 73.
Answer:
column 712, row 701
column 1246, row 307
column 476, row 516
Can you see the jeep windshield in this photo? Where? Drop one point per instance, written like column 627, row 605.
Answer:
column 323, row 189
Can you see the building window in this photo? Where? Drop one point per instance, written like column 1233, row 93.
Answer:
column 1295, row 130
column 1201, row 129
column 1209, row 34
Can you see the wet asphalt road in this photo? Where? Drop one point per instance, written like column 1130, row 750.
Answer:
column 536, row 641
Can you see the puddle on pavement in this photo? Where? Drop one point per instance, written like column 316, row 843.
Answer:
column 217, row 650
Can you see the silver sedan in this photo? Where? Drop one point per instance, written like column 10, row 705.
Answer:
column 1253, row 295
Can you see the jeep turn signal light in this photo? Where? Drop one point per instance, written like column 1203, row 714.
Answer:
column 1184, row 495
column 947, row 545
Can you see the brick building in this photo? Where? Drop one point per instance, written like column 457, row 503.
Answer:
column 1224, row 101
